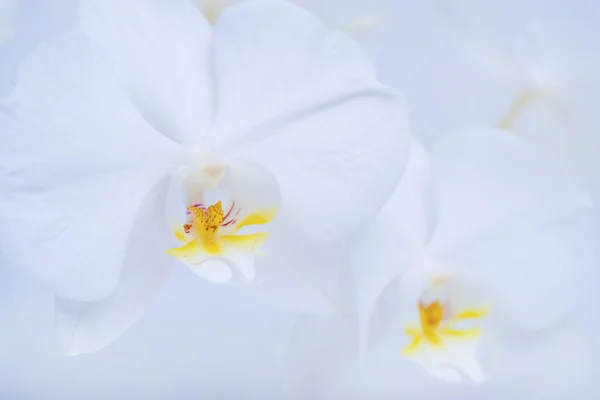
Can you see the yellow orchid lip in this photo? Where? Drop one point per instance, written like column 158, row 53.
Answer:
column 202, row 233
column 435, row 331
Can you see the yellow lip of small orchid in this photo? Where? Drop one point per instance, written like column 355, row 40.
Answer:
column 434, row 331
column 204, row 235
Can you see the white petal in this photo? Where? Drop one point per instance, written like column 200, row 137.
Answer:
column 385, row 248
column 302, row 274
column 158, row 50
column 77, row 161
column 232, row 268
column 518, row 221
column 536, row 273
column 307, row 106
column 252, row 187
column 89, row 327
column 457, row 363
column 484, row 181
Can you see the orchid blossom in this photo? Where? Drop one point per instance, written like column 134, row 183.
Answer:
column 144, row 138
column 486, row 235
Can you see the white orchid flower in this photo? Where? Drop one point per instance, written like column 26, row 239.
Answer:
column 487, row 235
column 145, row 132
column 7, row 17
column 548, row 60
column 354, row 17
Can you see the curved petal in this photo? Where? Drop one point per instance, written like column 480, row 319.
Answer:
column 158, row 50
column 385, row 249
column 255, row 192
column 307, row 106
column 89, row 327
column 520, row 223
column 302, row 274
column 536, row 272
column 77, row 161
column 483, row 181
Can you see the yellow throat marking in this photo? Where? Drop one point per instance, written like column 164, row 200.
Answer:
column 434, row 331
column 206, row 224
column 206, row 238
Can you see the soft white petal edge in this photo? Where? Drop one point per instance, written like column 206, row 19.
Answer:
column 518, row 220
column 90, row 327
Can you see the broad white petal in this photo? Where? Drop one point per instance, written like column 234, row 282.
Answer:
column 229, row 269
column 518, row 221
column 536, row 272
column 486, row 180
column 300, row 273
column 158, row 50
column 89, row 327
column 307, row 106
column 385, row 248
column 77, row 160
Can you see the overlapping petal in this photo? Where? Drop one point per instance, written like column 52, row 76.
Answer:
column 77, row 160
column 86, row 327
column 384, row 249
column 306, row 104
column 303, row 274
column 158, row 50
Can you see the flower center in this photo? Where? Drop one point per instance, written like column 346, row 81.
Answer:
column 438, row 326
column 430, row 317
column 206, row 225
